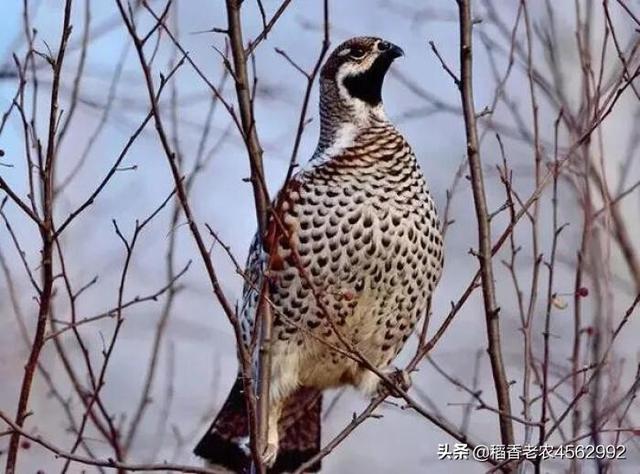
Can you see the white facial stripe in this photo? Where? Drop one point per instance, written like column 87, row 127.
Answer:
column 344, row 71
column 344, row 52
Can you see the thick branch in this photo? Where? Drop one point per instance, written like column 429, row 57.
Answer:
column 484, row 228
column 264, row 316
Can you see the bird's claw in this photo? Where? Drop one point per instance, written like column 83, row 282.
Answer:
column 401, row 381
column 269, row 455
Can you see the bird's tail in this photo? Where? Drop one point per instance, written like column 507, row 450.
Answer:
column 225, row 444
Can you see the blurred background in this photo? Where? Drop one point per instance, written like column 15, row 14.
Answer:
column 178, row 348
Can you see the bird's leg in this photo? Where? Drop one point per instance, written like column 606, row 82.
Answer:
column 270, row 452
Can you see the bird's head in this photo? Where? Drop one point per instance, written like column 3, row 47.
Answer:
column 356, row 70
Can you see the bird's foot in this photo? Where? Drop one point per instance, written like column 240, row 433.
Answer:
column 270, row 454
column 401, row 383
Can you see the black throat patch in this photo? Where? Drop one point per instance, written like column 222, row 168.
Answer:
column 367, row 86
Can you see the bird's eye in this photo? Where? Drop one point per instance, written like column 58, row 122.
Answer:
column 384, row 45
column 356, row 53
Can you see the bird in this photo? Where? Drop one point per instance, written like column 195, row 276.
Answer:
column 351, row 257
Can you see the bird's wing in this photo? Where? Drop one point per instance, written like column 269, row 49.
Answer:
column 255, row 268
column 260, row 260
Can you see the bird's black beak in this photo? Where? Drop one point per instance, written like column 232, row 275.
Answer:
column 395, row 51
column 389, row 50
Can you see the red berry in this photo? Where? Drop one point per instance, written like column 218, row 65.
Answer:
column 582, row 292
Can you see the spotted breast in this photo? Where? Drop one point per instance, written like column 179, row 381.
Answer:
column 360, row 256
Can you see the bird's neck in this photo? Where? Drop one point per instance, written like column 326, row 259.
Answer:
column 342, row 120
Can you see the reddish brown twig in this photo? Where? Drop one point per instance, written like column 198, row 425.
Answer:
column 47, row 237
column 110, row 463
